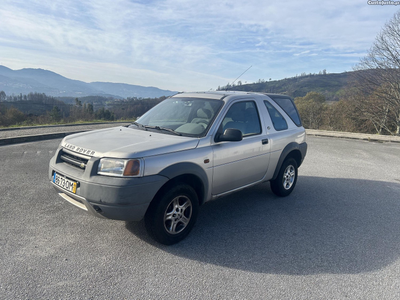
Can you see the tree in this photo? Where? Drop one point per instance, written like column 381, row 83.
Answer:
column 338, row 116
column 379, row 73
column 78, row 102
column 3, row 96
column 90, row 108
column 55, row 114
column 311, row 108
column 349, row 114
column 10, row 116
column 375, row 109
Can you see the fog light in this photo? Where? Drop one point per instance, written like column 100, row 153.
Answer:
column 97, row 209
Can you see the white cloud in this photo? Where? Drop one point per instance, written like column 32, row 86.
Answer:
column 302, row 53
column 178, row 44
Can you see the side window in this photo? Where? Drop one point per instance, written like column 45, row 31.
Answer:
column 288, row 106
column 243, row 116
column 277, row 119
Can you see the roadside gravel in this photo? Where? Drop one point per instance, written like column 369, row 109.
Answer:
column 352, row 135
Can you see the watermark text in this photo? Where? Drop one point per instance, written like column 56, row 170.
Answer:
column 383, row 3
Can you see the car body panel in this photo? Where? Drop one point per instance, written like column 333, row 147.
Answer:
column 123, row 142
column 243, row 162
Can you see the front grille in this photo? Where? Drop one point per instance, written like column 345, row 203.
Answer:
column 73, row 159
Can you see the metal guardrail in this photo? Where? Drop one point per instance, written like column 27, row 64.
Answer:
column 61, row 125
column 30, row 134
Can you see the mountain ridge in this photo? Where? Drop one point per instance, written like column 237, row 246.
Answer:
column 30, row 80
column 331, row 85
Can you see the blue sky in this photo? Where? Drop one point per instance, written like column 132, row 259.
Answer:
column 187, row 45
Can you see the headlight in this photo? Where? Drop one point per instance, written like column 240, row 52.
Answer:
column 121, row 167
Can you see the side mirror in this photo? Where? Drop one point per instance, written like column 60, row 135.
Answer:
column 230, row 135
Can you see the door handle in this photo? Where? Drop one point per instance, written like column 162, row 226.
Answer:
column 264, row 141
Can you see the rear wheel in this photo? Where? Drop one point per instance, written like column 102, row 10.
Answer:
column 286, row 180
column 171, row 217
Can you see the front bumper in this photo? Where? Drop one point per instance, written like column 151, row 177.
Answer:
column 104, row 196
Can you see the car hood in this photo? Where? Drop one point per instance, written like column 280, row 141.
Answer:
column 123, row 142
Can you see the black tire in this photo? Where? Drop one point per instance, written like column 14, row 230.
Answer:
column 172, row 215
column 286, row 180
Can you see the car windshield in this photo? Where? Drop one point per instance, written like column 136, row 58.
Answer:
column 181, row 116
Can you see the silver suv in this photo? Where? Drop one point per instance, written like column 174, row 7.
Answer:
column 187, row 150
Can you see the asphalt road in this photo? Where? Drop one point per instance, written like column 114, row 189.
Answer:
column 336, row 237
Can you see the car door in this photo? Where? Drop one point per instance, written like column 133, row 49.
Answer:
column 237, row 164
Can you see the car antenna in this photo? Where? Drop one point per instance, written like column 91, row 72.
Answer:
column 239, row 76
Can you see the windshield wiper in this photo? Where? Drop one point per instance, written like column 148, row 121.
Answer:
column 138, row 125
column 162, row 128
column 169, row 130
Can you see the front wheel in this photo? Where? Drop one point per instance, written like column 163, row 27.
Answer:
column 286, row 180
column 172, row 216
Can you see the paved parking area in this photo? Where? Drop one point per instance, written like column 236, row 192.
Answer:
column 336, row 237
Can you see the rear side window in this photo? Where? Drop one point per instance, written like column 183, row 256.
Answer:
column 288, row 106
column 278, row 120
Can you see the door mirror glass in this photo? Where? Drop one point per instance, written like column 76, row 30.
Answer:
column 230, row 135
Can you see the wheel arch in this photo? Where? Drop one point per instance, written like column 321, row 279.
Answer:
column 188, row 173
column 292, row 150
